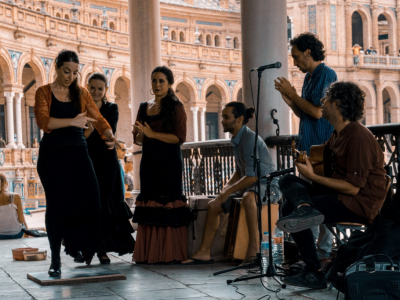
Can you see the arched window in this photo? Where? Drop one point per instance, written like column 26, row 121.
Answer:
column 216, row 39
column 357, row 30
column 94, row 22
column 236, row 43
column 112, row 26
column 66, row 17
column 173, row 35
column 289, row 28
column 58, row 15
column 29, row 7
column 37, row 9
column 181, row 37
column 201, row 38
column 208, row 40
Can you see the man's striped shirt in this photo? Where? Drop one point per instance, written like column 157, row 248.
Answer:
column 311, row 130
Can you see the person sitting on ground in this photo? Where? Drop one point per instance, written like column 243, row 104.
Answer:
column 235, row 116
column 354, row 192
column 12, row 217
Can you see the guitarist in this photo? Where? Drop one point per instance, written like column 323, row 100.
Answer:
column 354, row 192
column 308, row 53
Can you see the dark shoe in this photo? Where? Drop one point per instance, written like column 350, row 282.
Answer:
column 76, row 255
column 309, row 279
column 103, row 261
column 303, row 218
column 88, row 258
column 55, row 268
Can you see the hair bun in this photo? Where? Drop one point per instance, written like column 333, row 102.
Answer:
column 250, row 112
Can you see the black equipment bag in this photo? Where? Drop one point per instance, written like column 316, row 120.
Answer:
column 367, row 279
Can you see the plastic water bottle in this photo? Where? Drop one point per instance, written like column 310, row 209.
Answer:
column 265, row 252
column 277, row 250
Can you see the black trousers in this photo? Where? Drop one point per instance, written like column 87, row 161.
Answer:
column 298, row 191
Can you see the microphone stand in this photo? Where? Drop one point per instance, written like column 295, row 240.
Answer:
column 271, row 271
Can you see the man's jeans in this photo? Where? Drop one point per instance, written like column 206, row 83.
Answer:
column 296, row 192
column 322, row 236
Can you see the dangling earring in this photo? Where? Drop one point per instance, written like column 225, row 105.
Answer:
column 151, row 91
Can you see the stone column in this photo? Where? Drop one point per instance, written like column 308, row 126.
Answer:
column 398, row 28
column 18, row 120
column 10, row 119
column 379, row 101
column 375, row 33
column 145, row 55
column 27, row 127
column 303, row 18
column 264, row 42
column 349, row 35
column 202, row 123
column 195, row 124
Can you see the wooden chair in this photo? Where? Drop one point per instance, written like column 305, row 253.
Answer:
column 341, row 227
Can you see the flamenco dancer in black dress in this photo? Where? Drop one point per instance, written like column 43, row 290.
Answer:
column 62, row 110
column 116, row 230
column 161, row 208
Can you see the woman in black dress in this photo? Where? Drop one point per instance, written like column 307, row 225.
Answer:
column 161, row 208
column 116, row 230
column 64, row 166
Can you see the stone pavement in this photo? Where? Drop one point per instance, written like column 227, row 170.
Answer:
column 147, row 282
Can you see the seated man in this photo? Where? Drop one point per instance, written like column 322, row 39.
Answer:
column 234, row 117
column 353, row 193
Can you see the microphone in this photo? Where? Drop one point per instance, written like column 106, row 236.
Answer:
column 276, row 65
column 278, row 173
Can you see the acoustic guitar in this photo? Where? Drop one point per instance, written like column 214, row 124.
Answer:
column 320, row 158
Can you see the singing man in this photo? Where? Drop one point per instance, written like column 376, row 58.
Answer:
column 354, row 192
column 235, row 116
column 308, row 53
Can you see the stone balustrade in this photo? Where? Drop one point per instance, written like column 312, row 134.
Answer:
column 27, row 20
column 204, row 53
column 377, row 61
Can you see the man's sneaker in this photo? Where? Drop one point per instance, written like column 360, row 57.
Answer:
column 303, row 218
column 309, row 279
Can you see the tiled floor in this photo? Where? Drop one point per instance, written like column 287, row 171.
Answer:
column 143, row 281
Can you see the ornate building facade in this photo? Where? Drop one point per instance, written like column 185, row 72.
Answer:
column 201, row 43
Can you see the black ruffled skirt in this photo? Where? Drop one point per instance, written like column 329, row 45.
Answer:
column 161, row 208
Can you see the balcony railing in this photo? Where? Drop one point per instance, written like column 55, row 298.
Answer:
column 209, row 165
column 376, row 61
column 201, row 52
column 25, row 20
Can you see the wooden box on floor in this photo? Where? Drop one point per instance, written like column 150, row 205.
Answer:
column 237, row 237
column 196, row 229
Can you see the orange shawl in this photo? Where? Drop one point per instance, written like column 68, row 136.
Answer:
column 43, row 103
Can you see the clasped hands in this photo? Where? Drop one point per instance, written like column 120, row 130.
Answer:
column 143, row 129
column 286, row 89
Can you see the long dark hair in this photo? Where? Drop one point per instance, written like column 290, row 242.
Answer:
column 169, row 102
column 102, row 77
column 74, row 89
